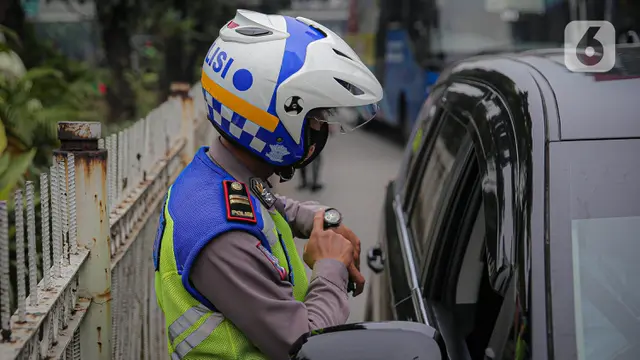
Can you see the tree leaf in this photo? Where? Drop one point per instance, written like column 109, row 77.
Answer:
column 4, row 48
column 7, row 32
column 14, row 173
column 3, row 139
column 38, row 73
column 4, row 162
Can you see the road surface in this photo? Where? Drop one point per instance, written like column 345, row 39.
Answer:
column 355, row 171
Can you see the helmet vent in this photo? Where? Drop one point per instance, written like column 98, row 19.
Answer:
column 342, row 54
column 253, row 31
column 313, row 27
column 350, row 87
column 318, row 30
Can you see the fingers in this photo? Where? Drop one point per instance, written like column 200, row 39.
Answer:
column 353, row 238
column 356, row 277
column 318, row 221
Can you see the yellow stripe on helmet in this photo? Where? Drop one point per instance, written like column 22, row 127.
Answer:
column 239, row 105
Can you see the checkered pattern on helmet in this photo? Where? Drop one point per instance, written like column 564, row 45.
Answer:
column 248, row 133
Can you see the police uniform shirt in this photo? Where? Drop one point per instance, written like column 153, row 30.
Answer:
column 242, row 283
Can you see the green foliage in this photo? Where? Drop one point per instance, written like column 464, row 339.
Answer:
column 8, row 33
column 22, row 111
column 3, row 142
column 145, row 86
column 32, row 102
column 15, row 167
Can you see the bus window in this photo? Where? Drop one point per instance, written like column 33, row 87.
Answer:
column 453, row 29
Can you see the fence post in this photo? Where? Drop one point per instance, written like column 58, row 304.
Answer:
column 93, row 232
column 180, row 91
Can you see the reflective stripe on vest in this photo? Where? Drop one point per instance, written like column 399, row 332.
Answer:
column 184, row 322
column 199, row 335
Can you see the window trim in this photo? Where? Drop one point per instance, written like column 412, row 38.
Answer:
column 485, row 138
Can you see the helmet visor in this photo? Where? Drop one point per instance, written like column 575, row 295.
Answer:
column 346, row 118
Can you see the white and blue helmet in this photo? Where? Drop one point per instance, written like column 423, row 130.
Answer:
column 264, row 74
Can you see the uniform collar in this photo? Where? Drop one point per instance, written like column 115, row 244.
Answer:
column 220, row 155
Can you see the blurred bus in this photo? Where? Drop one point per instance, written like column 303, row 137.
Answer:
column 330, row 13
column 408, row 42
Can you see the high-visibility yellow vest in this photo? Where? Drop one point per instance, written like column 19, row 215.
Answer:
column 195, row 330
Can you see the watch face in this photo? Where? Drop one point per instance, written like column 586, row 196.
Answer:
column 332, row 216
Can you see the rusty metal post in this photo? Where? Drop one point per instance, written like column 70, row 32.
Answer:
column 90, row 162
column 180, row 91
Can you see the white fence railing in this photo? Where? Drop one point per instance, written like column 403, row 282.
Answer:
column 82, row 283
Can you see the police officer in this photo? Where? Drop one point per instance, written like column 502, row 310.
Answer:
column 227, row 274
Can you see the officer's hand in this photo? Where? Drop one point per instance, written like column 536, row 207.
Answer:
column 354, row 269
column 326, row 244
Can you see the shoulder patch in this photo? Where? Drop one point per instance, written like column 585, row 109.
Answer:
column 238, row 202
column 273, row 260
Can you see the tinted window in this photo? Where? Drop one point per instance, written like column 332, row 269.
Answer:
column 427, row 113
column 445, row 148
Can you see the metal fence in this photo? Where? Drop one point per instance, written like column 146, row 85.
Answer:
column 84, row 286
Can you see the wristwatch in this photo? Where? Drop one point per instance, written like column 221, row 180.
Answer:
column 332, row 218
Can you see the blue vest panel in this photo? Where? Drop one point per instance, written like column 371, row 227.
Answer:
column 197, row 208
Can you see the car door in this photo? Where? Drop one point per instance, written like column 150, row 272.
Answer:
column 395, row 248
column 434, row 151
column 468, row 284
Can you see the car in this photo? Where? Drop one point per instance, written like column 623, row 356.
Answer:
column 368, row 341
column 512, row 226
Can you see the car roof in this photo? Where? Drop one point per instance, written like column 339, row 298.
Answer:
column 591, row 105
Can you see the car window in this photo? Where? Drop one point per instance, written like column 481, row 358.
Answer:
column 428, row 115
column 456, row 277
column 605, row 277
column 446, row 147
column 595, row 221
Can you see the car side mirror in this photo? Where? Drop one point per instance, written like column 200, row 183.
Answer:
column 369, row 341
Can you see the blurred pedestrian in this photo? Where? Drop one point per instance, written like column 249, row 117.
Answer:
column 315, row 171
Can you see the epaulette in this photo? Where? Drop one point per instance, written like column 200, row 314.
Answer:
column 238, row 202
column 260, row 189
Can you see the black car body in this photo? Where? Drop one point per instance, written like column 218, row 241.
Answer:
column 513, row 227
